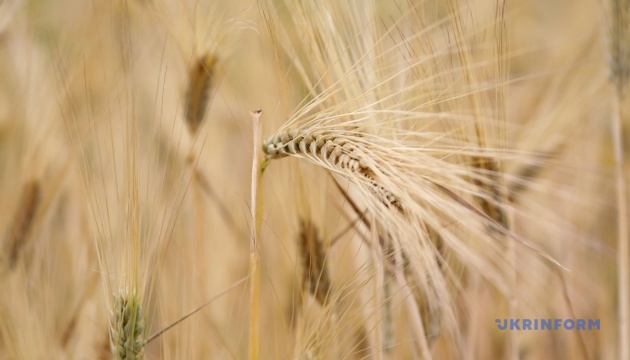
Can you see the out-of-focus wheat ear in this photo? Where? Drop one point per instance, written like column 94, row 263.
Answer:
column 491, row 185
column 315, row 276
column 527, row 174
column 619, row 41
column 200, row 77
column 23, row 220
column 127, row 328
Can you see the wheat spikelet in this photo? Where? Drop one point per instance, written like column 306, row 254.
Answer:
column 18, row 234
column 127, row 328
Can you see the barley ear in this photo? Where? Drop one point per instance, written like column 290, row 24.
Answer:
column 127, row 328
column 338, row 151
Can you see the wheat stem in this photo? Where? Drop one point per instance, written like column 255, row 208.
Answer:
column 222, row 208
column 377, row 258
column 622, row 239
column 254, row 255
column 619, row 52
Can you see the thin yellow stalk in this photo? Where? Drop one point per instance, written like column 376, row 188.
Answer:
column 222, row 208
column 513, row 350
column 378, row 297
column 620, row 71
column 196, row 310
column 254, row 256
column 622, row 238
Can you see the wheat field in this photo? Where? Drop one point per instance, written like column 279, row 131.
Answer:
column 304, row 179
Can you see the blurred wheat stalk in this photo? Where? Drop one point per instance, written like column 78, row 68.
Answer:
column 619, row 53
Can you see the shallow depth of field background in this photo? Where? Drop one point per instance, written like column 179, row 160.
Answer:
column 71, row 76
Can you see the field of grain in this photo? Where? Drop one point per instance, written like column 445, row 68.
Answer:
column 313, row 179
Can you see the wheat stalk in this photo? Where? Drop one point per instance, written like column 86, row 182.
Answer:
column 256, row 207
column 619, row 51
